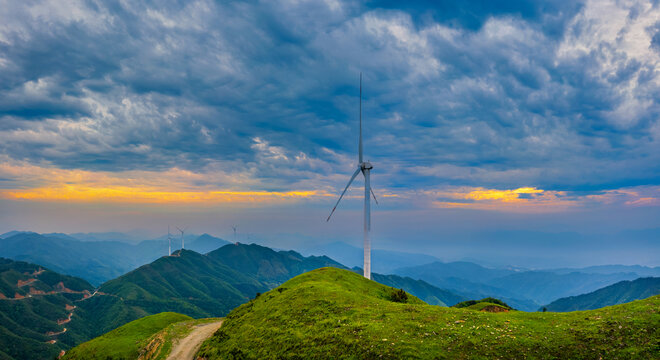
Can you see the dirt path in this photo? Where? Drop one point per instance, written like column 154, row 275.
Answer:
column 186, row 348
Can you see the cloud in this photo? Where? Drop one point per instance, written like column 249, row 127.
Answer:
column 561, row 97
column 214, row 186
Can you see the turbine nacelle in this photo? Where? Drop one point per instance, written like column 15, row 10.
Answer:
column 366, row 166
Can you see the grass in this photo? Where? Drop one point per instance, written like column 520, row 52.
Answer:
column 126, row 341
column 333, row 313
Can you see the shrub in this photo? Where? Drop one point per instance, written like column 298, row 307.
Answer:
column 399, row 296
column 488, row 299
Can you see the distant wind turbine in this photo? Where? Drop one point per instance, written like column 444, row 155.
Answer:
column 235, row 227
column 182, row 239
column 364, row 167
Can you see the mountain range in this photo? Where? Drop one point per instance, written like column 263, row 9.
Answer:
column 36, row 308
column 382, row 261
column 95, row 261
column 522, row 289
column 197, row 285
column 98, row 260
column 619, row 293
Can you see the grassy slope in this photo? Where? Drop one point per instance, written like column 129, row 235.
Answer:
column 192, row 284
column 333, row 313
column 126, row 341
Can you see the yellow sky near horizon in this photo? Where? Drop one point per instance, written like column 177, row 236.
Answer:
column 176, row 186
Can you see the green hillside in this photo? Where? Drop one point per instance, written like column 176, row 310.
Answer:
column 267, row 265
column 334, row 313
column 187, row 283
column 126, row 341
column 33, row 300
column 619, row 293
column 275, row 267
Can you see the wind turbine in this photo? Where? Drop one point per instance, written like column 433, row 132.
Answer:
column 364, row 167
column 182, row 241
column 235, row 227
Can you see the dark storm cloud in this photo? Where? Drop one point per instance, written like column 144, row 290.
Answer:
column 521, row 94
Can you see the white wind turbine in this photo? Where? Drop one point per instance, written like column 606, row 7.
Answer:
column 182, row 240
column 364, row 167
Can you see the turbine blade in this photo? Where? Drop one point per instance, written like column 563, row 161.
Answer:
column 344, row 192
column 360, row 144
column 374, row 195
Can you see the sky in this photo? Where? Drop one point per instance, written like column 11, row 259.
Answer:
column 518, row 132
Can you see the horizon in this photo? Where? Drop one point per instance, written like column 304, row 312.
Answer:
column 136, row 237
column 523, row 134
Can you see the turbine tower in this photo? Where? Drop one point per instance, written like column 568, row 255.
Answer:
column 235, row 227
column 364, row 167
column 182, row 240
column 169, row 242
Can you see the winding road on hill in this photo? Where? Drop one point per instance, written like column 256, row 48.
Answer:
column 186, row 348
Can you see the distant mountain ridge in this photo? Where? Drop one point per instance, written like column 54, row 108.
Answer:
column 612, row 269
column 275, row 267
column 98, row 261
column 543, row 287
column 432, row 295
column 524, row 290
column 619, row 293
column 469, row 280
column 383, row 261
column 267, row 265
column 95, row 261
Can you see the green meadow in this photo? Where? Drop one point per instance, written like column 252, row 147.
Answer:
column 334, row 313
